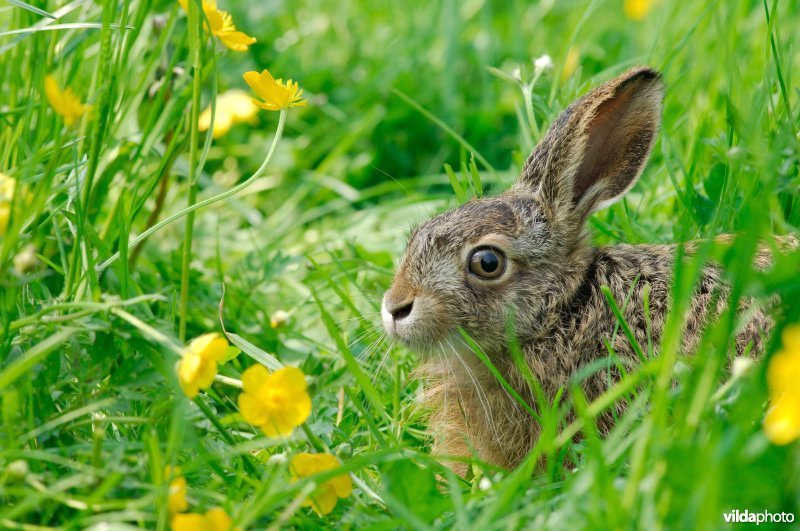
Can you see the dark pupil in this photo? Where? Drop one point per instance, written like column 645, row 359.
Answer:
column 489, row 262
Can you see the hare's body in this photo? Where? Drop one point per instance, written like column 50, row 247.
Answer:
column 525, row 255
column 471, row 413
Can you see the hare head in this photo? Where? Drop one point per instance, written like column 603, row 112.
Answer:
column 524, row 252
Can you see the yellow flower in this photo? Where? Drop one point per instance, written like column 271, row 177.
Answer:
column 7, row 185
column 215, row 519
column 233, row 107
column 176, row 499
column 277, row 95
column 276, row 402
column 221, row 26
column 324, row 498
column 782, row 423
column 637, row 9
column 64, row 102
column 570, row 63
column 197, row 368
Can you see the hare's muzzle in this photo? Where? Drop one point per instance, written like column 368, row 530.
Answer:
column 398, row 306
column 399, row 309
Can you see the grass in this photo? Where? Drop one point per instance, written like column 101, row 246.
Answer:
column 91, row 408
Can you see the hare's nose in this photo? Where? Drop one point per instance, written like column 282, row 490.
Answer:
column 399, row 309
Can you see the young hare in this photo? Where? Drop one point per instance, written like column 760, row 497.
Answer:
column 526, row 253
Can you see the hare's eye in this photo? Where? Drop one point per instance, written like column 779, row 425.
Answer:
column 487, row 262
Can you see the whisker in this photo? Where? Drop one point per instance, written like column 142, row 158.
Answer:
column 482, row 398
column 364, row 356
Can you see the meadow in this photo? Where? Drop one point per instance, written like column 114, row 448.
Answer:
column 146, row 202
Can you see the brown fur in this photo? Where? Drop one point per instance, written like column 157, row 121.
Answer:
column 593, row 153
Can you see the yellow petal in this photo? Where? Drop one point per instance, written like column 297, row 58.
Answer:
column 298, row 409
column 266, row 106
column 305, row 464
column 275, row 426
column 240, row 105
column 791, row 338
column 222, row 125
column 205, row 377
column 254, row 377
column 289, row 378
column 342, row 485
column 218, row 519
column 253, row 79
column 232, row 107
column 210, row 346
column 190, row 389
column 176, row 500
column 204, row 120
column 252, row 409
column 782, row 423
column 189, row 522
column 236, row 40
column 783, row 372
column 5, row 215
column 53, row 92
column 323, row 500
column 64, row 102
column 637, row 9
column 217, row 20
column 189, row 367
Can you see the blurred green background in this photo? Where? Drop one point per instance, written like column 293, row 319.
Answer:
column 396, row 91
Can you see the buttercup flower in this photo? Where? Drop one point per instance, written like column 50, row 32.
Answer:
column 197, row 368
column 276, row 402
column 222, row 27
column 64, row 102
column 215, row 519
column 782, row 423
column 325, row 496
column 7, row 185
column 233, row 107
column 176, row 499
column 277, row 95
column 637, row 9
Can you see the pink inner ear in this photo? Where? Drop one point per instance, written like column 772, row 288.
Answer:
column 618, row 139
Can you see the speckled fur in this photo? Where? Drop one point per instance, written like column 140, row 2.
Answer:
column 592, row 155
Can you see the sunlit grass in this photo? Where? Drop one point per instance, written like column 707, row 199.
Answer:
column 296, row 219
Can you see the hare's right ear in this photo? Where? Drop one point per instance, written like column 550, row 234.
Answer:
column 596, row 150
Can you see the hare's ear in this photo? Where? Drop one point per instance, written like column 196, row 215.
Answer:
column 596, row 150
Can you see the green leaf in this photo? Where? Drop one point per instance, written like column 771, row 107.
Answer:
column 415, row 488
column 461, row 194
column 264, row 358
column 33, row 356
column 32, row 9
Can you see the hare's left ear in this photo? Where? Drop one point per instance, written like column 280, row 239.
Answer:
column 596, row 150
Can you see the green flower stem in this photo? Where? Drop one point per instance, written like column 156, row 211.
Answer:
column 211, row 200
column 209, row 413
column 196, row 33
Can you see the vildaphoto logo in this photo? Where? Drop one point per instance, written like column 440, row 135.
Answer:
column 749, row 517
